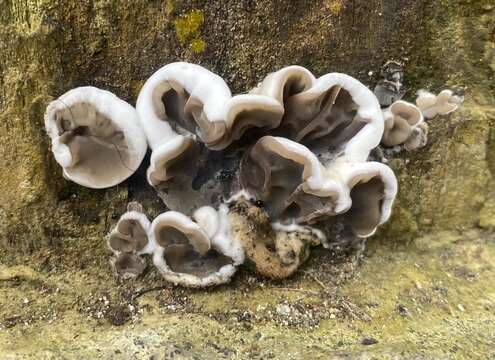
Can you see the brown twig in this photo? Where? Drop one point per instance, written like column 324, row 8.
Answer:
column 319, row 282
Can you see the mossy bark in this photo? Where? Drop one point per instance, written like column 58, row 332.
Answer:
column 50, row 46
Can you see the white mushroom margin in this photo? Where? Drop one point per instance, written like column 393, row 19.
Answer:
column 96, row 137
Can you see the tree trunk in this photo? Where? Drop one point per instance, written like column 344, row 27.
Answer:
column 50, row 46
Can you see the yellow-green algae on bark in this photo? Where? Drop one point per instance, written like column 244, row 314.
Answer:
column 431, row 299
column 424, row 287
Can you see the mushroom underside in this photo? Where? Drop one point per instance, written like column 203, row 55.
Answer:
column 197, row 177
column 398, row 133
column 184, row 259
column 128, row 265
column 365, row 212
column 97, row 145
column 184, row 113
column 321, row 120
column 128, row 236
column 276, row 181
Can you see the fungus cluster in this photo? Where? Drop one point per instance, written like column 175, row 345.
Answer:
column 255, row 178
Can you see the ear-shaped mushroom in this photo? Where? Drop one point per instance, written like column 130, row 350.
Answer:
column 128, row 265
column 400, row 119
column 193, row 256
column 334, row 110
column 442, row 104
column 418, row 137
column 288, row 178
column 128, row 240
column 293, row 184
column 130, row 235
column 373, row 188
column 96, row 137
column 182, row 99
column 188, row 114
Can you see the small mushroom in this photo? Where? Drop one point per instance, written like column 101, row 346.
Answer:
column 130, row 235
column 389, row 89
column 128, row 240
column 400, row 119
column 373, row 188
column 96, row 137
column 193, row 256
column 433, row 105
column 418, row 137
column 128, row 265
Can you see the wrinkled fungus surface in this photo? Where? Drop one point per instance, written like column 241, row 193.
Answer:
column 256, row 178
column 96, row 137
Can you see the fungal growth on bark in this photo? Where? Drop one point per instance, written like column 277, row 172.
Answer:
column 271, row 250
column 400, row 120
column 96, row 137
column 257, row 178
column 189, row 116
column 418, row 137
column 389, row 89
column 295, row 186
column 128, row 240
column 192, row 255
column 442, row 104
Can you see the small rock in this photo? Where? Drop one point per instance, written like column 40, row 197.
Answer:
column 283, row 310
column 369, row 341
column 403, row 311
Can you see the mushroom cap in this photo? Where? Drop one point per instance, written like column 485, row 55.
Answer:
column 442, row 104
column 172, row 228
column 128, row 265
column 293, row 184
column 190, row 255
column 358, row 142
column 184, row 95
column 400, row 119
column 418, row 137
column 130, row 235
column 372, row 189
column 96, row 137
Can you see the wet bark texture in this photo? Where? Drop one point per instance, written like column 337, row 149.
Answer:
column 49, row 47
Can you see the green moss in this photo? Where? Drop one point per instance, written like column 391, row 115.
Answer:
column 169, row 8
column 198, row 45
column 335, row 7
column 188, row 25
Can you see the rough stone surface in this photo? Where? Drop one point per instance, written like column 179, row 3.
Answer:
column 424, row 288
